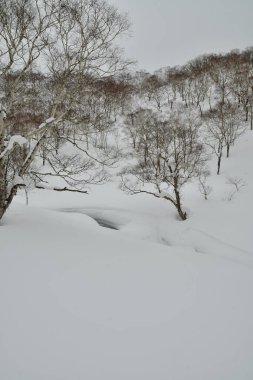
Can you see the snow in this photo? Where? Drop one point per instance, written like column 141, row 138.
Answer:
column 78, row 306
column 18, row 180
column 49, row 120
column 16, row 139
column 43, row 125
column 157, row 299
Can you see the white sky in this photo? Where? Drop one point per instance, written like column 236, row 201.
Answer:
column 171, row 32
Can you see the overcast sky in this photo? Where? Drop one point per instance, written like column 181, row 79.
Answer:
column 171, row 32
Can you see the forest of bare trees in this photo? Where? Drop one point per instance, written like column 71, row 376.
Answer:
column 71, row 106
column 181, row 117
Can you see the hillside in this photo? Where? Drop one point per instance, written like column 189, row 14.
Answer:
column 159, row 298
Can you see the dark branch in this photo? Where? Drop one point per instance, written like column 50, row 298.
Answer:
column 61, row 189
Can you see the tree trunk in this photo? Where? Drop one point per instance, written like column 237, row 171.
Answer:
column 247, row 114
column 219, row 163
column 145, row 155
column 43, row 155
column 181, row 213
column 228, row 149
column 178, row 205
column 251, row 115
column 2, row 189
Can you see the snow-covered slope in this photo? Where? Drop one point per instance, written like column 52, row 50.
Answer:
column 158, row 299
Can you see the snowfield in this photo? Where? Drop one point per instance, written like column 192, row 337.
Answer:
column 158, row 299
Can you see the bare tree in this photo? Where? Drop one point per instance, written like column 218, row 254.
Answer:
column 175, row 155
column 73, row 39
column 224, row 126
column 204, row 188
column 237, row 184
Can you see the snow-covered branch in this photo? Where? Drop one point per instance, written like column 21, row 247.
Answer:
column 14, row 140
